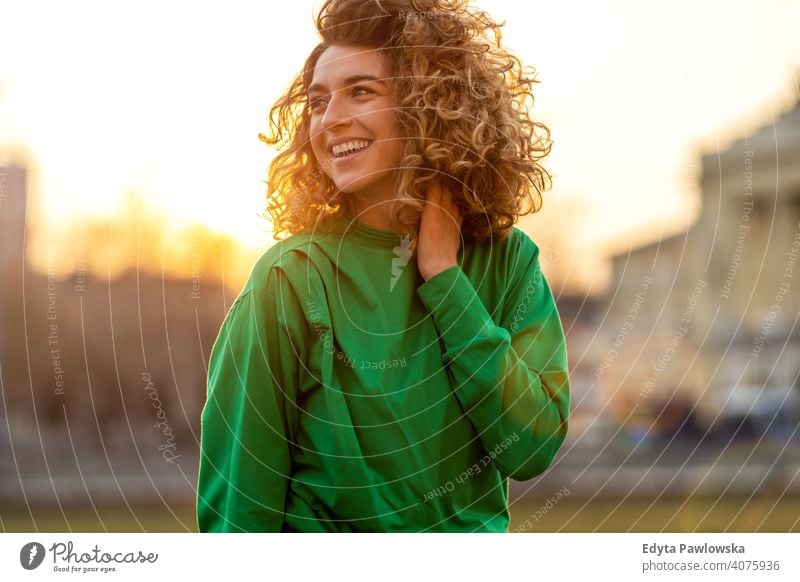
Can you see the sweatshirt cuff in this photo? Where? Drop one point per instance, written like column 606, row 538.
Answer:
column 457, row 311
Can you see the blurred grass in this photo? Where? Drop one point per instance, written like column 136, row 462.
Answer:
column 693, row 514
column 180, row 518
column 700, row 514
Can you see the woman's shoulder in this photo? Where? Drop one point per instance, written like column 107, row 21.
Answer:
column 523, row 244
column 292, row 257
column 513, row 253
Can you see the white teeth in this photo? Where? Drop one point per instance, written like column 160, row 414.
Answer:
column 349, row 147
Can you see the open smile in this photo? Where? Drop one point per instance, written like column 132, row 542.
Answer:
column 349, row 150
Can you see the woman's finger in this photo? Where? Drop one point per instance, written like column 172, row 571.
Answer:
column 434, row 193
column 450, row 206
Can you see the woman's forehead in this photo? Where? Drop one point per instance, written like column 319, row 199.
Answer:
column 338, row 64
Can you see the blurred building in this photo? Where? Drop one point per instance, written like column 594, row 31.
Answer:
column 12, row 230
column 709, row 316
column 12, row 255
column 581, row 318
column 103, row 380
column 12, row 217
column 13, row 208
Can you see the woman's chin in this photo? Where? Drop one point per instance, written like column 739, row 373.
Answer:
column 356, row 186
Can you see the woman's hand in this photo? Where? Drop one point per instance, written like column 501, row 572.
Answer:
column 439, row 233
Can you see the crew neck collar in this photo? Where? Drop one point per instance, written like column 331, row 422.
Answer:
column 367, row 235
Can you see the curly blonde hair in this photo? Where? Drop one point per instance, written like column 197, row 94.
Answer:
column 466, row 103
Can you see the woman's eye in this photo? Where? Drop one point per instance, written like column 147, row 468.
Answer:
column 314, row 103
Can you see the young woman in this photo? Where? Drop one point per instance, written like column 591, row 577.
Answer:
column 390, row 364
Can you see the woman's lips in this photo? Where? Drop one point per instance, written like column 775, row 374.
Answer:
column 349, row 157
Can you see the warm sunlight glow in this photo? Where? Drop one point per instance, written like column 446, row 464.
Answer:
column 108, row 99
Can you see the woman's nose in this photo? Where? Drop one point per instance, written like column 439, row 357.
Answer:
column 337, row 111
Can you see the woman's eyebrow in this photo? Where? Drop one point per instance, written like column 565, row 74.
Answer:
column 351, row 80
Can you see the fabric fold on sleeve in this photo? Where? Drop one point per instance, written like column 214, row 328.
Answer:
column 511, row 379
column 248, row 420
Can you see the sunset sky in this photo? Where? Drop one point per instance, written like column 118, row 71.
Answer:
column 167, row 98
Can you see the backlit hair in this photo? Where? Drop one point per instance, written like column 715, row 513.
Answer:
column 464, row 106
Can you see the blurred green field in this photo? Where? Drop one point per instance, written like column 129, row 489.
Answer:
column 696, row 514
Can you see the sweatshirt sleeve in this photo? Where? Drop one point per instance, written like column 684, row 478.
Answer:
column 511, row 380
column 248, row 419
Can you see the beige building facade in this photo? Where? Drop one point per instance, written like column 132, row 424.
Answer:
column 710, row 316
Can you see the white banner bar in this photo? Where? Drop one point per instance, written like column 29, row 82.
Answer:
column 401, row 557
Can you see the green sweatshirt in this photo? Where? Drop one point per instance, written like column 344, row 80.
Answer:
column 346, row 393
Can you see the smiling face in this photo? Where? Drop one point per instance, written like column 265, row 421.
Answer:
column 354, row 134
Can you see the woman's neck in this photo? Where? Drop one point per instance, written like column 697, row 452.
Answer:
column 377, row 216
